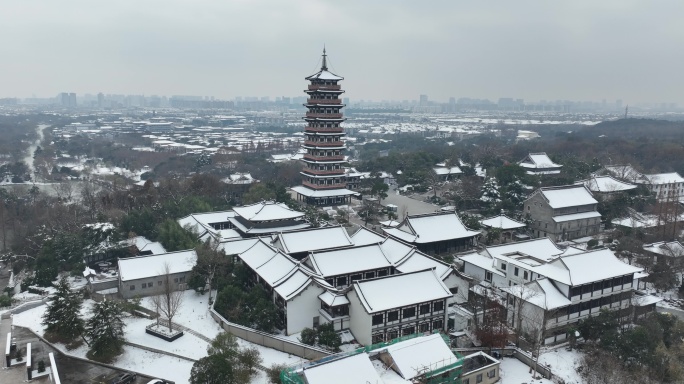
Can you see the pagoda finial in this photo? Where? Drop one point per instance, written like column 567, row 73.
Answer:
column 324, row 67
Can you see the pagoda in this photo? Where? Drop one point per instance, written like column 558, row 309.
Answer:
column 324, row 180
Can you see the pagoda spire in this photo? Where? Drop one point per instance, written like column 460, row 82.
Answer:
column 324, row 66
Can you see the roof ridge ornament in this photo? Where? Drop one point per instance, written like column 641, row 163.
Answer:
column 324, row 66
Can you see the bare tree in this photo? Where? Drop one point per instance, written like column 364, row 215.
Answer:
column 171, row 299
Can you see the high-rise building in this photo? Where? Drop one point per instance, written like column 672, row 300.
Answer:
column 324, row 180
column 423, row 99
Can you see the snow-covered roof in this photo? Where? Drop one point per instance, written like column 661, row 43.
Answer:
column 431, row 227
column 606, row 184
column 576, row 216
column 412, row 356
column 267, row 211
column 235, row 247
column 240, row 178
column 624, row 171
column 482, row 261
column 261, row 231
column 587, row 267
column 205, row 218
column 396, row 291
column 541, row 293
column 418, row 261
column 666, row 248
column 543, row 249
column 567, row 196
column 664, row 178
column 502, row 221
column 145, row 245
column 308, row 192
column 365, row 236
column 353, row 369
column 348, row 260
column 332, row 299
column 538, row 160
column 447, row 170
column 142, row 267
column 324, row 75
column 313, row 239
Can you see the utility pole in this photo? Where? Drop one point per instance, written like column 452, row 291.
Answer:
column 626, row 110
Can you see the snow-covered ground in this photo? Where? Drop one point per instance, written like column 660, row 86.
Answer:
column 563, row 363
column 194, row 314
column 514, row 371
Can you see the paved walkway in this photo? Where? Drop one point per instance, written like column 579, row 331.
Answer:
column 16, row 374
column 406, row 204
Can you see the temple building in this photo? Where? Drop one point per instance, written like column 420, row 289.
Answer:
column 324, row 180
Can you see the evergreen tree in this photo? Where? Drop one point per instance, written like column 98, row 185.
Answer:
column 105, row 331
column 62, row 318
column 226, row 363
column 491, row 197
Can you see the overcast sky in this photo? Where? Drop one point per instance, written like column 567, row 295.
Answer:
column 395, row 50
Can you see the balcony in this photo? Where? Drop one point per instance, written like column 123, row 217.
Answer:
column 324, row 130
column 324, row 101
column 324, row 143
column 323, row 158
column 310, row 115
column 321, row 87
column 324, row 186
column 324, row 172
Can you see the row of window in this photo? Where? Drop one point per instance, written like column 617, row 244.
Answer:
column 601, row 285
column 405, row 330
column 478, row 379
column 159, row 283
column 342, row 281
column 325, row 110
column 407, row 313
column 318, row 124
column 319, row 152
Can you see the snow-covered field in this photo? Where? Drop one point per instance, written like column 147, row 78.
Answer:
column 563, row 363
column 194, row 314
column 514, row 371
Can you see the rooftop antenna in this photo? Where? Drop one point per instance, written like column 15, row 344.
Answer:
column 626, row 107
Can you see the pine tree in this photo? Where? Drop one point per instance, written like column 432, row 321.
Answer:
column 62, row 317
column 105, row 331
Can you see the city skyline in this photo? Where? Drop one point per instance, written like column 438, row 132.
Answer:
column 388, row 51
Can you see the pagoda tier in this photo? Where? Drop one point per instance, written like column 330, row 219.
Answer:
column 324, row 180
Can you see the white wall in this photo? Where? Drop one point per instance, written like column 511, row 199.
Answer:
column 454, row 280
column 302, row 308
column 359, row 320
column 479, row 274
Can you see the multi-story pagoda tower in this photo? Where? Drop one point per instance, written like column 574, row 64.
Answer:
column 324, row 181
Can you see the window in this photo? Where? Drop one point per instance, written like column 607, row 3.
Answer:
column 516, row 271
column 378, row 338
column 342, row 280
column 454, row 290
column 382, row 272
column 467, row 381
column 393, row 316
column 503, row 266
column 424, row 308
column 175, row 280
column 525, row 275
column 409, row 312
column 370, row 275
column 438, row 306
column 159, row 282
column 491, row 373
column 437, row 324
column 478, row 378
column 150, row 284
column 356, row 277
column 377, row 319
column 425, row 327
column 408, row 331
column 132, row 287
column 488, row 276
column 182, row 279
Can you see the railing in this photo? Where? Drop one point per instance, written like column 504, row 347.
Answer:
column 324, row 172
column 323, row 101
column 324, row 186
column 323, row 158
column 321, row 87
column 324, row 130
column 324, row 143
column 311, row 115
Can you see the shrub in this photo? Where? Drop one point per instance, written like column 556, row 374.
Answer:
column 273, row 373
column 592, row 243
column 308, row 336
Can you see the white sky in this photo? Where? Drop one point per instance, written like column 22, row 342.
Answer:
column 386, row 49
